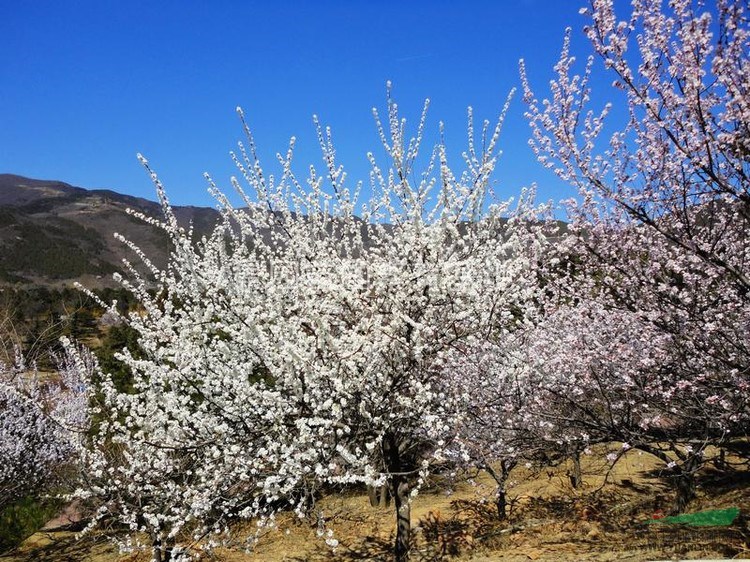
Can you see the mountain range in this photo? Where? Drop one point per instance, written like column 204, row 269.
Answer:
column 53, row 233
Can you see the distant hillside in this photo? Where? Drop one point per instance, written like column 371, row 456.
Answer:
column 52, row 233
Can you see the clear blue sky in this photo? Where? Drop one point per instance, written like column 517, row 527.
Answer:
column 85, row 85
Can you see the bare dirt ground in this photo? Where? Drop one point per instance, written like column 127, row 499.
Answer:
column 548, row 521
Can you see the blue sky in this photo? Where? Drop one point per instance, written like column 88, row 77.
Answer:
column 85, row 85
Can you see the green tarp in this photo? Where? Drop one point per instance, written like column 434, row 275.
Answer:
column 712, row 518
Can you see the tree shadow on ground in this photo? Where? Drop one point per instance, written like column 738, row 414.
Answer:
column 377, row 549
column 727, row 482
column 716, row 482
column 370, row 548
column 62, row 547
column 434, row 539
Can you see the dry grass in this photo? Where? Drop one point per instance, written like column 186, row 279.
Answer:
column 548, row 520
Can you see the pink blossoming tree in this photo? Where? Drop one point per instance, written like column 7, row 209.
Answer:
column 660, row 228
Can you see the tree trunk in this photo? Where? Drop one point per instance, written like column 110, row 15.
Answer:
column 160, row 552
column 685, row 488
column 721, row 462
column 372, row 492
column 385, row 496
column 576, row 477
column 501, row 498
column 501, row 502
column 400, row 490
column 403, row 518
column 379, row 496
column 684, row 484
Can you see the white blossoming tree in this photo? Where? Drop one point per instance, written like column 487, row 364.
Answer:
column 41, row 422
column 306, row 341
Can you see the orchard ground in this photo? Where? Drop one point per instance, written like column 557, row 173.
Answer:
column 548, row 520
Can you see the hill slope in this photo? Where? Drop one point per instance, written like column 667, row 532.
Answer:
column 52, row 233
